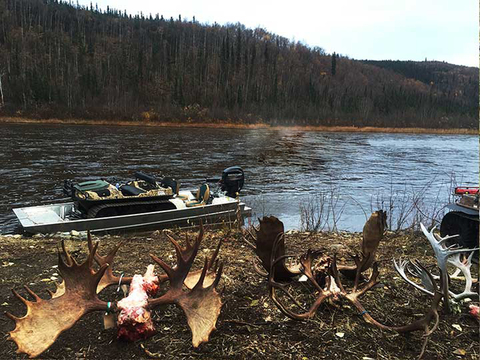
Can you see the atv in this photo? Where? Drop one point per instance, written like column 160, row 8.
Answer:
column 463, row 218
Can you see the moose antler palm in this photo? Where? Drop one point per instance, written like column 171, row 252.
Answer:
column 45, row 320
column 108, row 277
column 372, row 234
column 202, row 304
column 270, row 232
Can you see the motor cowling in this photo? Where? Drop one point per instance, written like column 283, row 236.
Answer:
column 232, row 180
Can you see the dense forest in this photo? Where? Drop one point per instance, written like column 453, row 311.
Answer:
column 59, row 60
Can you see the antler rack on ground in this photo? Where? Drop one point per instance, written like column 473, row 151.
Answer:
column 194, row 291
column 323, row 273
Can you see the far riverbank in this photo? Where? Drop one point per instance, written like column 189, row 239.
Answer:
column 220, row 124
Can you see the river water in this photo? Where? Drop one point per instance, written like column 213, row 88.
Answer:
column 349, row 173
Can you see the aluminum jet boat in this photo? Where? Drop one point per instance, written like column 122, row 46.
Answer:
column 102, row 206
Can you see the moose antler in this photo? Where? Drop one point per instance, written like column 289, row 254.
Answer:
column 373, row 232
column 202, row 303
column 47, row 319
column 333, row 286
column 107, row 279
column 270, row 232
column 325, row 278
column 193, row 276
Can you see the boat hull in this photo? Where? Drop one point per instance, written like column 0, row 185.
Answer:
column 52, row 218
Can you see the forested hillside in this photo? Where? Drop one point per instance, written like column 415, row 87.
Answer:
column 64, row 61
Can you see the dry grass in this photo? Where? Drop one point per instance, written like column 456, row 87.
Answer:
column 222, row 124
column 250, row 326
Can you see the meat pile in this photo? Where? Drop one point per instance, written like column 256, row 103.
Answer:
column 134, row 320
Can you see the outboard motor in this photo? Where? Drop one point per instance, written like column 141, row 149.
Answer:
column 232, row 180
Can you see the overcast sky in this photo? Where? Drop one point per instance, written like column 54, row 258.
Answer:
column 444, row 30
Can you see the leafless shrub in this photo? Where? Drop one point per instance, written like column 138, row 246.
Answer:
column 323, row 212
column 313, row 216
column 260, row 205
column 407, row 207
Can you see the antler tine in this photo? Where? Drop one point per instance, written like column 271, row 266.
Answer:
column 100, row 260
column 215, row 254
column 68, row 257
column 188, row 244
column 202, row 275
column 272, row 284
column 335, row 273
column 163, row 265
column 91, row 256
column 426, row 278
column 400, row 267
column 359, row 264
column 201, row 280
column 20, row 297
column 89, row 240
column 274, row 250
column 371, row 282
column 70, row 262
column 218, row 276
column 257, row 268
column 464, row 267
column 249, row 233
column 442, row 240
column 306, row 260
column 178, row 249
column 32, row 293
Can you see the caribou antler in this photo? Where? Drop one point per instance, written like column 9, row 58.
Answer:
column 47, row 319
column 202, row 303
column 463, row 266
column 442, row 254
column 404, row 266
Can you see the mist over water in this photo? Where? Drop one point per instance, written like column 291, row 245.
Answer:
column 283, row 168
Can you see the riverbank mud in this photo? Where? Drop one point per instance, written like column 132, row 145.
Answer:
column 221, row 124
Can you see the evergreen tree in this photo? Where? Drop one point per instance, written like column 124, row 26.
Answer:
column 334, row 64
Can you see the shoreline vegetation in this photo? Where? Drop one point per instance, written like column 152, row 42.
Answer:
column 230, row 125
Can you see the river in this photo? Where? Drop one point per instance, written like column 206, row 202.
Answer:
column 349, row 173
